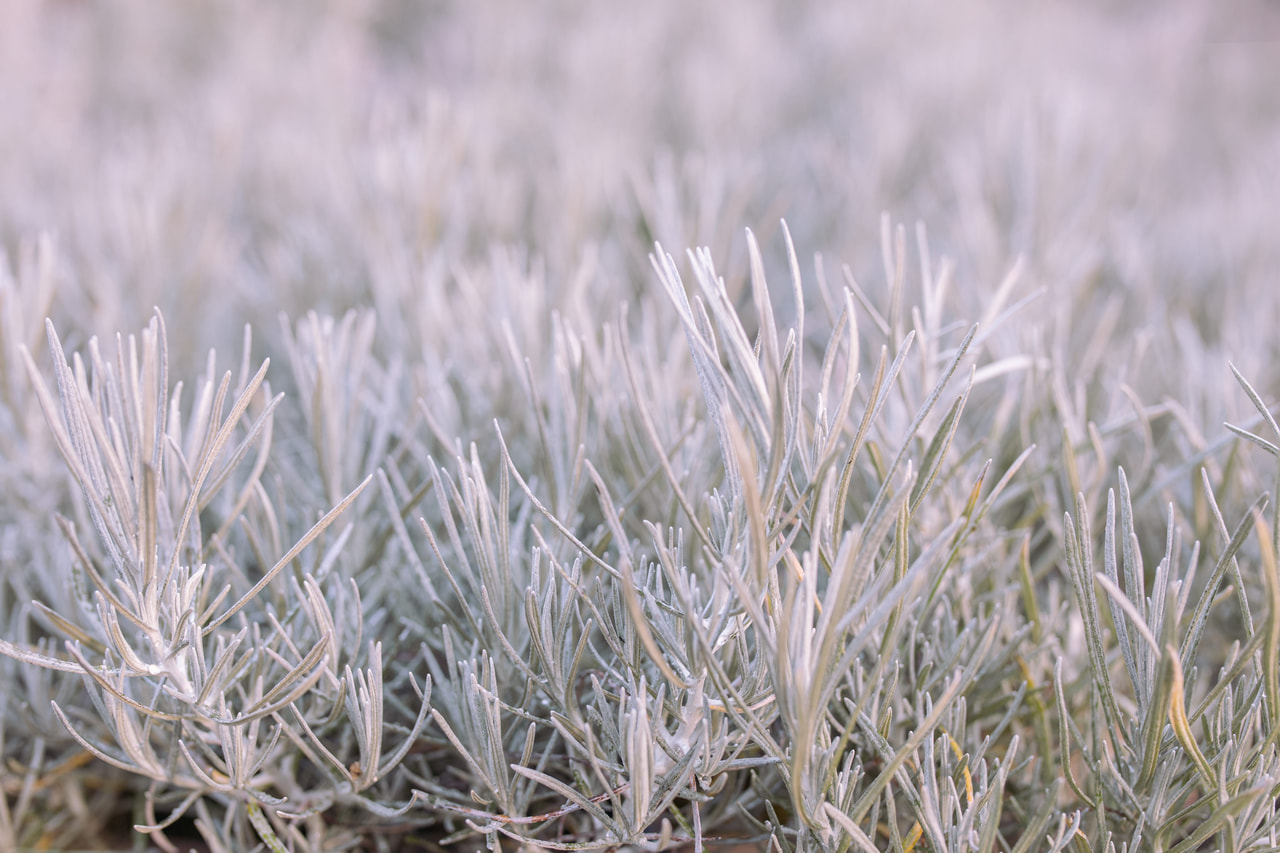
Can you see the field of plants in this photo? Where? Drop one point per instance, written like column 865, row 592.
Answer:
column 807, row 427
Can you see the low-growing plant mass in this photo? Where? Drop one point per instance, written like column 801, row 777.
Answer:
column 625, row 528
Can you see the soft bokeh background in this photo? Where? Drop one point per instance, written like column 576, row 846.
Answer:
column 229, row 160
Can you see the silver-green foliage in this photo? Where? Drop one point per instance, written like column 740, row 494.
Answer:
column 770, row 584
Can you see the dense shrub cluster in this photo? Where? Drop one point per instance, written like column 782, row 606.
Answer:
column 509, row 522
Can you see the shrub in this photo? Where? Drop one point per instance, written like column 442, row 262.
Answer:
column 515, row 530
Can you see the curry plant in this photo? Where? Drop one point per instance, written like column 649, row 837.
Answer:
column 772, row 584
